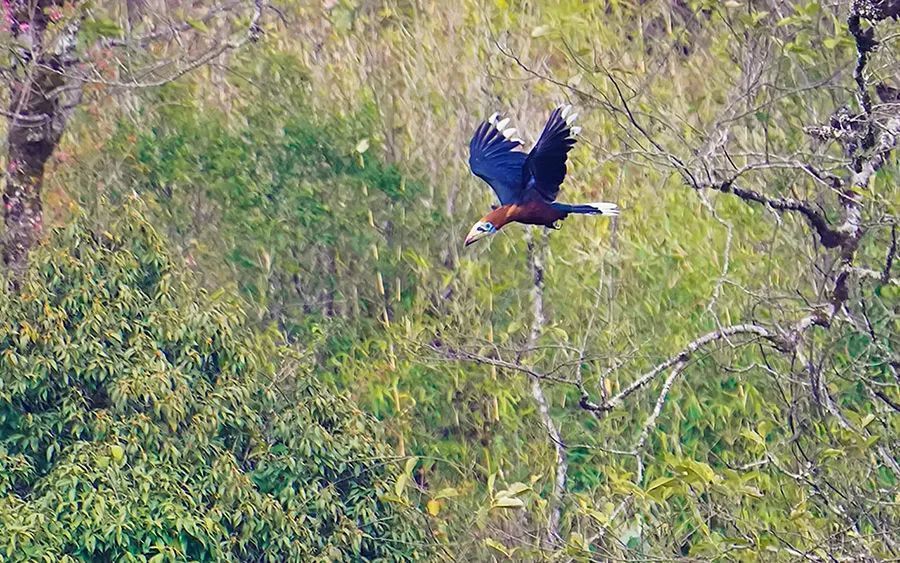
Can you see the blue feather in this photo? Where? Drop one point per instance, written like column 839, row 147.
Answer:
column 493, row 158
column 545, row 167
column 515, row 176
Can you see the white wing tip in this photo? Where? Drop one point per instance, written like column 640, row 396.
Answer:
column 500, row 125
column 566, row 108
column 576, row 130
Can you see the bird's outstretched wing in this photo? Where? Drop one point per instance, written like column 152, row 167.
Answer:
column 545, row 167
column 493, row 158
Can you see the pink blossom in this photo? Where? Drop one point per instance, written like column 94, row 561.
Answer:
column 7, row 9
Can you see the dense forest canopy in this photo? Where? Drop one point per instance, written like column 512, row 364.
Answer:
column 139, row 418
column 239, row 322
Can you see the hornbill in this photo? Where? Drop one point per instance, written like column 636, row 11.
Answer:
column 526, row 183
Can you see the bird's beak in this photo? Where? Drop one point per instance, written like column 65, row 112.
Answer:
column 475, row 234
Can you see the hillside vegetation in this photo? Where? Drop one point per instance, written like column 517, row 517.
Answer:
column 253, row 330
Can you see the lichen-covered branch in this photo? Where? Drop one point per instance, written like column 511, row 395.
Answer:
column 45, row 83
column 536, row 251
column 37, row 123
column 683, row 356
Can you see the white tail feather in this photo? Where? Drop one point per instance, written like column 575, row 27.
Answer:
column 604, row 207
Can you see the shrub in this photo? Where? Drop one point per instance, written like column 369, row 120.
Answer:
column 140, row 419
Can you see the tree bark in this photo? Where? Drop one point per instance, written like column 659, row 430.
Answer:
column 37, row 117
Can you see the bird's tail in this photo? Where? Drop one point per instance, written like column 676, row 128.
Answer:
column 596, row 208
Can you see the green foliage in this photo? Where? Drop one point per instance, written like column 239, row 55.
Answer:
column 140, row 420
column 280, row 196
column 326, row 178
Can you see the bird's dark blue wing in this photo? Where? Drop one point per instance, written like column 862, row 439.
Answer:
column 545, row 167
column 493, row 158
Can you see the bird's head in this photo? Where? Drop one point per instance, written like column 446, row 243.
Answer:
column 480, row 230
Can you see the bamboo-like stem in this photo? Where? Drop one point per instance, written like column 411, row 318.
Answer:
column 401, row 442
column 495, row 404
column 386, row 320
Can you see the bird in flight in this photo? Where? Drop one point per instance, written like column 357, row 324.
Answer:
column 526, row 183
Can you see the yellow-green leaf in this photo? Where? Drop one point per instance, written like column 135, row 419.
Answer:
column 508, row 502
column 497, row 546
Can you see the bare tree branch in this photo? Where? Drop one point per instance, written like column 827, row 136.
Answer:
column 891, row 253
column 651, row 420
column 829, row 237
column 535, row 259
column 169, row 32
column 683, row 356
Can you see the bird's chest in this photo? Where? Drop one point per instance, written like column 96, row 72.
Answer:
column 535, row 213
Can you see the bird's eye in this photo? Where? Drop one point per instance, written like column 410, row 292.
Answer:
column 486, row 228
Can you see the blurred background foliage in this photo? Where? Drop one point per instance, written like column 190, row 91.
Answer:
column 320, row 178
